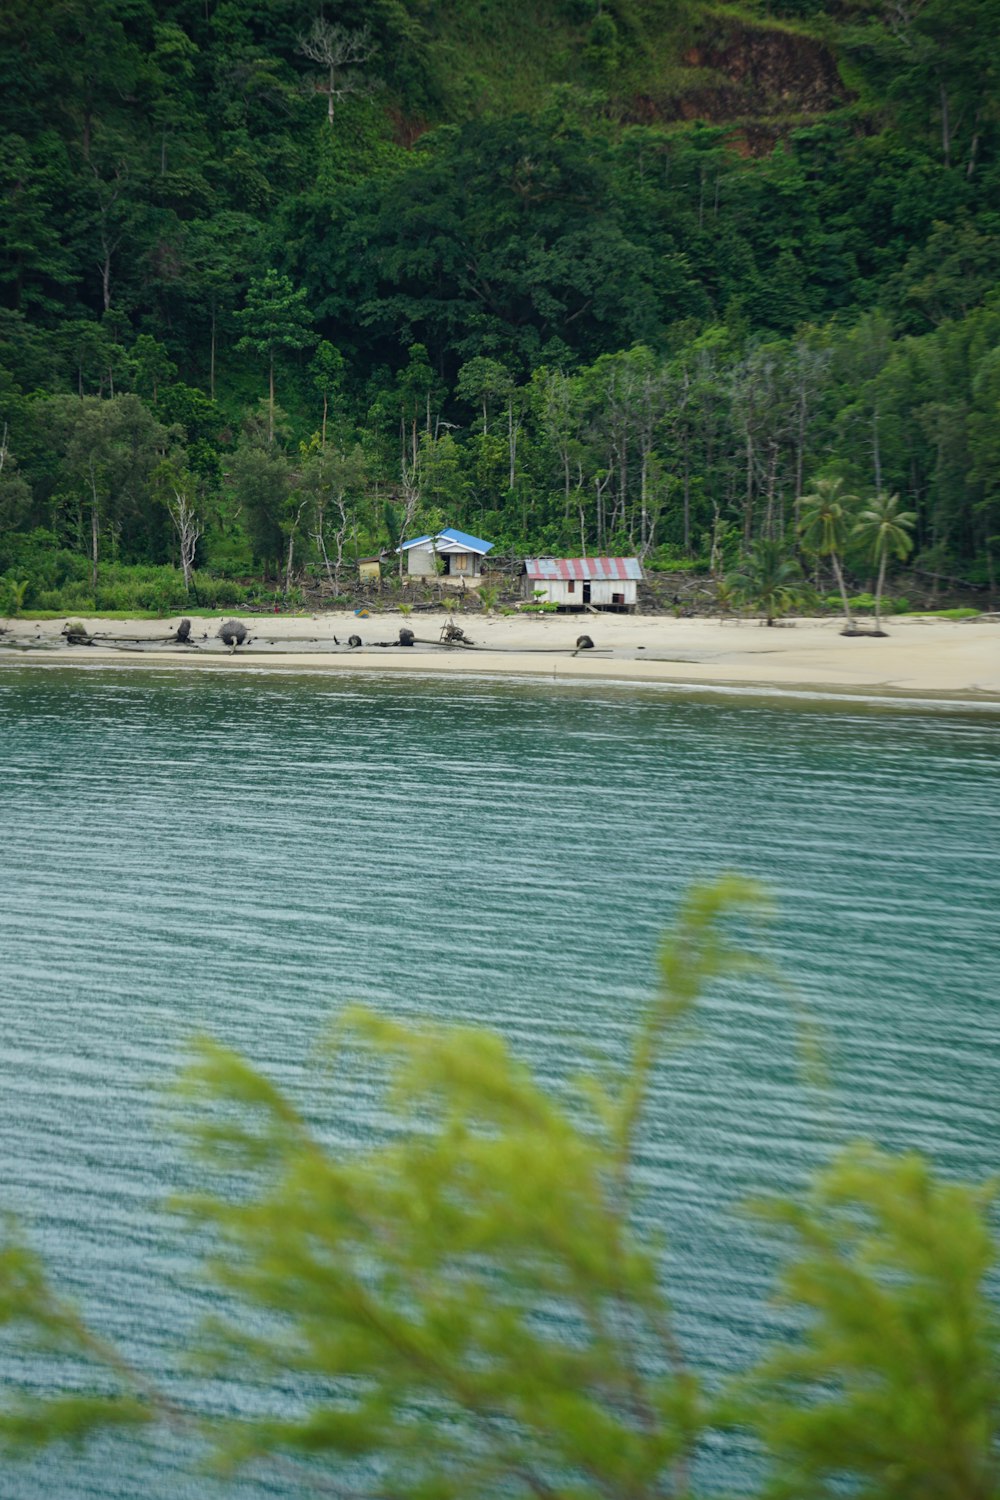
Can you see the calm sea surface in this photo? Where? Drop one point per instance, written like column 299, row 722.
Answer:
column 243, row 853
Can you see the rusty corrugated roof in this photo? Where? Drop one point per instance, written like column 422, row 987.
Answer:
column 588, row 569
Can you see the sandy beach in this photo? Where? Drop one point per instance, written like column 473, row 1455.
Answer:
column 920, row 657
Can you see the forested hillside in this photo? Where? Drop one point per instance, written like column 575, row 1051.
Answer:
column 281, row 281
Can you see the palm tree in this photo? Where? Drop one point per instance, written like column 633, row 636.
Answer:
column 885, row 529
column 18, row 592
column 823, row 528
column 769, row 580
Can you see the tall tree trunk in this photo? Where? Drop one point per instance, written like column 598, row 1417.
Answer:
column 748, row 501
column 270, row 401
column 211, row 358
column 95, row 531
column 687, row 495
column 843, row 590
column 945, row 127
column 878, row 589
column 320, row 541
column 106, row 249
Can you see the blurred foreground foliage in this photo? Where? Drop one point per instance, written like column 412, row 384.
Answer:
column 479, row 1313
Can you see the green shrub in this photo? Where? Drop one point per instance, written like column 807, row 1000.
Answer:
column 115, row 596
column 664, row 561
column 229, row 556
column 217, row 593
column 864, row 604
column 72, row 596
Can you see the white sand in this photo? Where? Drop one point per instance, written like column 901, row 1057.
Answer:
column 919, row 657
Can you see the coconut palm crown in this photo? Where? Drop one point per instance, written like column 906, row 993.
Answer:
column 824, row 524
column 884, row 530
column 768, row 580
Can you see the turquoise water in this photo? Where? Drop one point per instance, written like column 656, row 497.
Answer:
column 243, row 852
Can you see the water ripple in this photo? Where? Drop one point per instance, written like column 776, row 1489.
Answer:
column 243, row 854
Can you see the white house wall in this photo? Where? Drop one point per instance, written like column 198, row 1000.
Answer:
column 552, row 591
column 420, row 562
column 603, row 592
column 557, row 591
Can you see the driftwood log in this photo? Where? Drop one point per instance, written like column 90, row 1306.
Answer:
column 76, row 634
column 454, row 635
column 232, row 633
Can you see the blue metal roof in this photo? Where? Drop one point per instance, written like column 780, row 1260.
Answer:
column 457, row 538
column 473, row 543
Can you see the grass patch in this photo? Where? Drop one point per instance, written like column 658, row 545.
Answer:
column 96, row 614
column 961, row 612
column 159, row 614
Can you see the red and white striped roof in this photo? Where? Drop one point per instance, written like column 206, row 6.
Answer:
column 588, row 569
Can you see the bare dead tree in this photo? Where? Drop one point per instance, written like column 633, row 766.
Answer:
column 335, row 568
column 110, row 228
column 410, row 476
column 93, row 473
column 188, row 528
column 340, row 53
column 293, row 526
column 340, row 535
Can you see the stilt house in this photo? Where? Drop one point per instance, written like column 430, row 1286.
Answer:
column 576, row 582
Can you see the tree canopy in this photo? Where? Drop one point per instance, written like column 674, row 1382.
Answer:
column 789, row 217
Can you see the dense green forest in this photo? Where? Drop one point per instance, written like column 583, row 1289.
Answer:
column 282, row 281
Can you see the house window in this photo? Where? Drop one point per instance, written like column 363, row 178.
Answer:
column 460, row 562
column 572, row 586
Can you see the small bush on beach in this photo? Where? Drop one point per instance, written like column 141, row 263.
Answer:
column 864, row 604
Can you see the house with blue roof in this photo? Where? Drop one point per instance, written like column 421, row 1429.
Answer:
column 449, row 554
